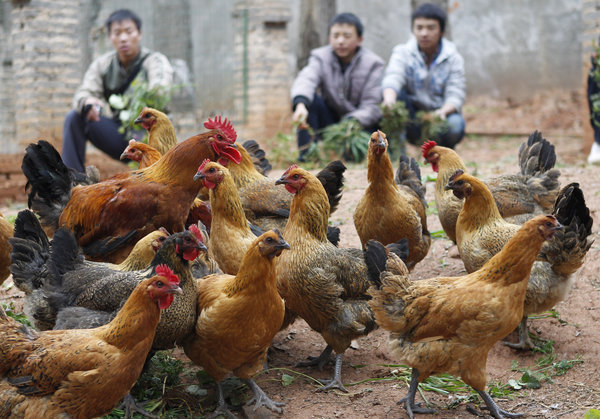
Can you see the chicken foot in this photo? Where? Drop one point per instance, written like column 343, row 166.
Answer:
column 318, row 361
column 494, row 409
column 262, row 399
column 336, row 381
column 130, row 405
column 222, row 408
column 525, row 343
column 409, row 400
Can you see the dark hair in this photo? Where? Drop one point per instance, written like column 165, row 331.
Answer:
column 121, row 15
column 349, row 18
column 430, row 11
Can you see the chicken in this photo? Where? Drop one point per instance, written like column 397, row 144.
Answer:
column 238, row 318
column 28, row 232
column 532, row 191
column 6, row 232
column 109, row 217
column 81, row 373
column 268, row 206
column 230, row 235
column 448, row 325
column 161, row 133
column 388, row 212
column 144, row 154
column 481, row 233
column 258, row 156
column 319, row 282
column 68, row 291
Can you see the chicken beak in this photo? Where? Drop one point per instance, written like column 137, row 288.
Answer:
column 199, row 176
column 137, row 120
column 174, row 289
column 380, row 140
column 281, row 181
column 448, row 187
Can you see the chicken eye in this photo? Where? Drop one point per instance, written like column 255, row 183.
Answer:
column 295, row 177
column 148, row 115
column 159, row 284
column 219, row 136
column 269, row 240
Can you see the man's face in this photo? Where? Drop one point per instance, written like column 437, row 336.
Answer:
column 125, row 38
column 428, row 33
column 344, row 40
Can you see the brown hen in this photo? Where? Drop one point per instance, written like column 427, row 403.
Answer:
column 448, row 325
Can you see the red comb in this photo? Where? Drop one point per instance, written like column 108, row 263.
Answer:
column 203, row 165
column 194, row 229
column 223, row 125
column 292, row 167
column 164, row 270
column 427, row 146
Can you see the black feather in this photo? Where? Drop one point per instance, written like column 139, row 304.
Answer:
column 332, row 179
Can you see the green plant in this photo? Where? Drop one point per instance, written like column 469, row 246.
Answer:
column 346, row 139
column 431, row 126
column 139, row 95
column 9, row 309
column 393, row 122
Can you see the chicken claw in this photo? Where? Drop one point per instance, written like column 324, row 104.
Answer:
column 409, row 400
column 262, row 399
column 336, row 381
column 318, row 361
column 222, row 408
column 494, row 409
column 130, row 406
column 525, row 343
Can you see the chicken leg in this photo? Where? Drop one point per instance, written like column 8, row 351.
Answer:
column 261, row 398
column 336, row 381
column 130, row 405
column 222, row 408
column 409, row 400
column 525, row 343
column 494, row 409
column 318, row 361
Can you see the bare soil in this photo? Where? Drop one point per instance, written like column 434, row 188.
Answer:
column 560, row 117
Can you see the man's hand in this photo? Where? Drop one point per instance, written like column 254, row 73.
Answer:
column 300, row 115
column 96, row 106
column 445, row 110
column 389, row 97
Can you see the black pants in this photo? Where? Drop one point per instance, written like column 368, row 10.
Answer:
column 103, row 134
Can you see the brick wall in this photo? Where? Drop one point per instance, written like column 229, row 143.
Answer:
column 263, row 78
column 45, row 64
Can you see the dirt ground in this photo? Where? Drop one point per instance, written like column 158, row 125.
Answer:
column 575, row 333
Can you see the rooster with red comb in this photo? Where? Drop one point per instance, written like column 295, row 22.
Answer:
column 109, row 217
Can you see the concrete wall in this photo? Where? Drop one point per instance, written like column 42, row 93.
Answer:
column 512, row 49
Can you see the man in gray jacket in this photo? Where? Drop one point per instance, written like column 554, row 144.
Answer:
column 427, row 74
column 341, row 80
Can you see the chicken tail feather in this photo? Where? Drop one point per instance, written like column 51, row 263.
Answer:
column 567, row 249
column 536, row 155
column 49, row 181
column 332, row 179
column 259, row 157
column 409, row 174
column 30, row 251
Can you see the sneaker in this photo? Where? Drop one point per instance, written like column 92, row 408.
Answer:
column 594, row 157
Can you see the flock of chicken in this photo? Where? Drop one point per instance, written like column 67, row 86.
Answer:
column 113, row 285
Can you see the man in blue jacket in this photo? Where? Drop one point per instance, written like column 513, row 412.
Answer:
column 341, row 80
column 427, row 73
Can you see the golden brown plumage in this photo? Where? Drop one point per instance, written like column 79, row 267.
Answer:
column 144, row 154
column 161, row 133
column 448, row 325
column 520, row 196
column 80, row 373
column 481, row 233
column 6, row 232
column 110, row 216
column 388, row 212
column 323, row 284
column 230, row 235
column 238, row 318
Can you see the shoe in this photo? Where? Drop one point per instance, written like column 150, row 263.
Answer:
column 594, row 157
